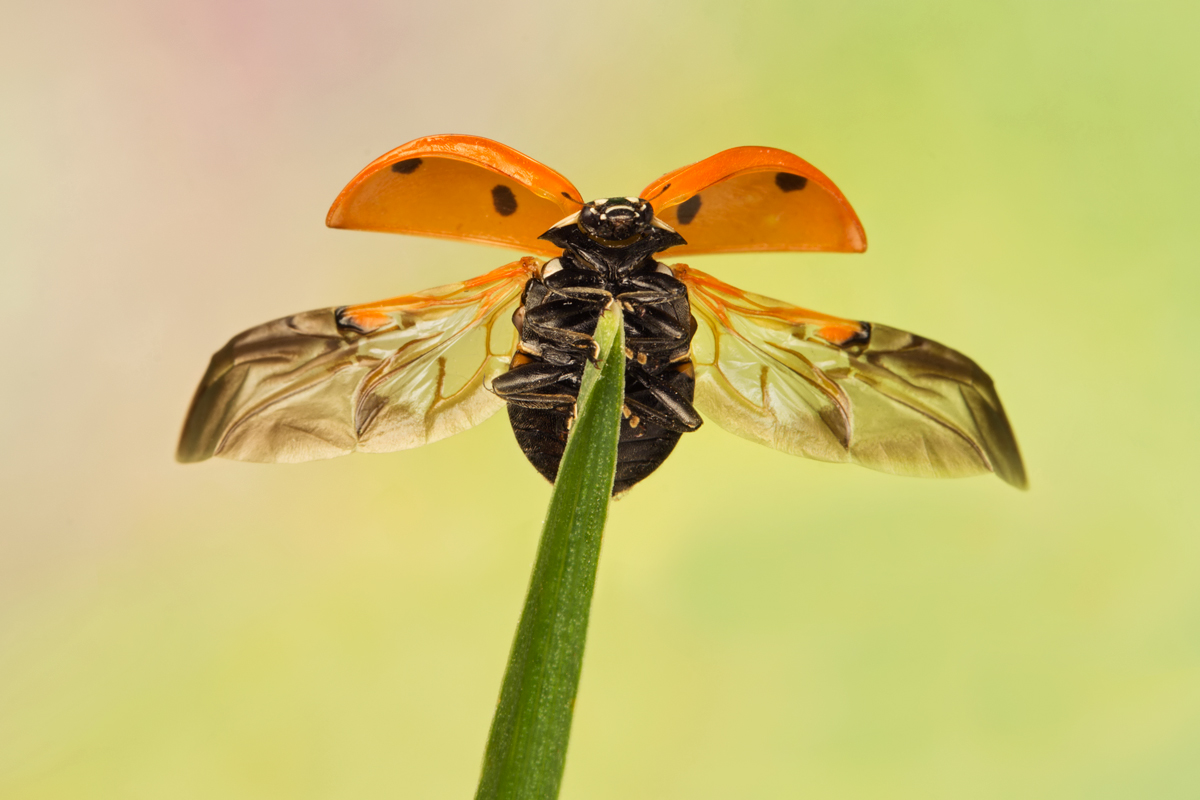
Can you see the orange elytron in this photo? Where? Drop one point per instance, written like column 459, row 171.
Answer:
column 403, row 372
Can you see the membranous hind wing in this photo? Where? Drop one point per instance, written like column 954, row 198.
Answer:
column 458, row 187
column 374, row 378
column 755, row 199
column 841, row 390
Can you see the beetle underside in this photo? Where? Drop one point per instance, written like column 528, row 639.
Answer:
column 608, row 254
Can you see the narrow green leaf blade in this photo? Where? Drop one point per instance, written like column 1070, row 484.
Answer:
column 527, row 746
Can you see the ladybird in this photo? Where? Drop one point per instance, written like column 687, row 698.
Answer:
column 403, row 372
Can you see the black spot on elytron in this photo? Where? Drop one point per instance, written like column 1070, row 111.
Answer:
column 789, row 182
column 504, row 200
column 407, row 166
column 688, row 209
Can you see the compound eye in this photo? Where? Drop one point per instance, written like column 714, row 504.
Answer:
column 589, row 216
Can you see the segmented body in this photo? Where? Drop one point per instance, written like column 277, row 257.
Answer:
column 557, row 318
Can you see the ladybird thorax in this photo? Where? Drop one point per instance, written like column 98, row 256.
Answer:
column 613, row 235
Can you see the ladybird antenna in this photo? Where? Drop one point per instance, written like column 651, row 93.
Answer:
column 573, row 200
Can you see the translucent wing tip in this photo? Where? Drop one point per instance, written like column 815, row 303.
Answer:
column 1007, row 463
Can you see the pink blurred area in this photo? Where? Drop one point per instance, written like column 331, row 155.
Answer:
column 175, row 162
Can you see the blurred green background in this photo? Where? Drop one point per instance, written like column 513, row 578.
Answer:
column 763, row 626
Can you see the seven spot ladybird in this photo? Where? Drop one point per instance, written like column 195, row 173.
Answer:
column 414, row 369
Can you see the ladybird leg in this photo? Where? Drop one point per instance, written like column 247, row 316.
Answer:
column 561, row 403
column 644, row 349
column 656, row 312
column 567, row 315
column 573, row 342
column 526, row 383
column 663, row 286
column 671, row 402
column 656, row 335
column 564, row 327
column 651, row 322
column 655, row 416
column 650, row 297
column 662, row 399
column 585, row 294
column 526, row 378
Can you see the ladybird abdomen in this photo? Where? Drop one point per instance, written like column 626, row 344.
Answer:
column 557, row 320
column 643, row 446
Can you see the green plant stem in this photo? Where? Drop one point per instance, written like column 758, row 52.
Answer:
column 527, row 746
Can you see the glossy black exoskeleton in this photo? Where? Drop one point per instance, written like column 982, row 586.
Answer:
column 608, row 252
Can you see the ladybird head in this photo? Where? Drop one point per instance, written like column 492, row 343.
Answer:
column 616, row 221
column 614, row 233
